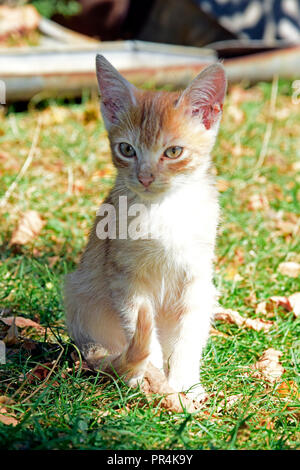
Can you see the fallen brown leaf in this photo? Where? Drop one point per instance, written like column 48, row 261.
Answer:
column 288, row 389
column 266, row 307
column 22, row 322
column 222, row 185
column 39, row 372
column 262, row 308
column 268, row 366
column 4, row 400
column 290, row 303
column 231, row 316
column 289, row 268
column 28, row 228
column 7, row 418
column 214, row 332
column 282, row 301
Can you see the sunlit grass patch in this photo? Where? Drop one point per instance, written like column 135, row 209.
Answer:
column 69, row 176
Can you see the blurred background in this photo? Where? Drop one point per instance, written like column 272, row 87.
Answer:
column 51, row 45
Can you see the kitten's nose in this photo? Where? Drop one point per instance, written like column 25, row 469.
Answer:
column 146, row 180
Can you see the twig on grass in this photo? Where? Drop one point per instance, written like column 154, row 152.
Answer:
column 48, row 376
column 268, row 133
column 25, row 166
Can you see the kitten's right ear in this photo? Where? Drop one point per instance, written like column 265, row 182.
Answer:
column 117, row 94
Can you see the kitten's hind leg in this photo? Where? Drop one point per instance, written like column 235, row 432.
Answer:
column 133, row 362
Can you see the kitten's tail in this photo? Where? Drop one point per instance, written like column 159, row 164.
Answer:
column 132, row 362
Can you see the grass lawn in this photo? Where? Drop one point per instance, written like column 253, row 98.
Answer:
column 257, row 168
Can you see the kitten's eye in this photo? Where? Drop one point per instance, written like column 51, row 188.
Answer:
column 127, row 150
column 173, row 152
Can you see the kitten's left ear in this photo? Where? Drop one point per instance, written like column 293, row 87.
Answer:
column 205, row 95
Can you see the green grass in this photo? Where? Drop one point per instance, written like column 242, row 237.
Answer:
column 67, row 179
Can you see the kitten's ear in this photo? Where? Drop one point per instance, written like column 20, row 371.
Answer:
column 205, row 95
column 117, row 94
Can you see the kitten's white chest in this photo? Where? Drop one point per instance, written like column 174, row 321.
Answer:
column 185, row 219
column 182, row 237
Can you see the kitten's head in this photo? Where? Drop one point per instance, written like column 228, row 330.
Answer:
column 160, row 140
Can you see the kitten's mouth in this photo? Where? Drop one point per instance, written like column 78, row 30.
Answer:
column 146, row 193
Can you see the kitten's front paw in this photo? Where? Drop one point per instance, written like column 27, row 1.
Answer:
column 197, row 393
column 134, row 382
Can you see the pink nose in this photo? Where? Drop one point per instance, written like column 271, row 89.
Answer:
column 146, row 180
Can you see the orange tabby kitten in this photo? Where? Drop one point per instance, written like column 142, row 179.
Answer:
column 143, row 290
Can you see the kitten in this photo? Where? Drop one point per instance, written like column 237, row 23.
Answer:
column 150, row 298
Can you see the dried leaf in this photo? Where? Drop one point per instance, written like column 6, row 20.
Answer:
column 282, row 301
column 262, row 308
column 6, row 418
column 231, row 316
column 289, row 268
column 288, row 389
column 4, row 400
column 214, row 332
column 39, row 372
column 290, row 303
column 28, row 228
column 22, row 322
column 222, row 185
column 269, row 366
